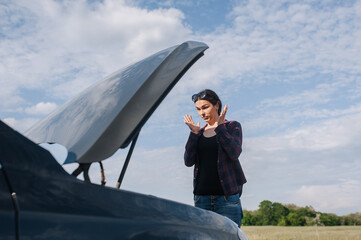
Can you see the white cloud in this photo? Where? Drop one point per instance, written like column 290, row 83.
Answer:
column 20, row 125
column 344, row 195
column 320, row 94
column 294, row 41
column 63, row 47
column 320, row 136
column 41, row 108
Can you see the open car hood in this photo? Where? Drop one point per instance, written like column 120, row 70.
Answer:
column 109, row 115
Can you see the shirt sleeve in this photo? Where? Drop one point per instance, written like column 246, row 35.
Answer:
column 190, row 154
column 230, row 139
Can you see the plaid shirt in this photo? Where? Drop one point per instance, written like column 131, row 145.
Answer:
column 229, row 139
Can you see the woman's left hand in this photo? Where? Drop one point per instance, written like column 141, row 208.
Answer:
column 222, row 117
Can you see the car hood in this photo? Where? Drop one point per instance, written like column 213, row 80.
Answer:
column 108, row 115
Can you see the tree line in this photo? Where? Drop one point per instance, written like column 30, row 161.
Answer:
column 277, row 214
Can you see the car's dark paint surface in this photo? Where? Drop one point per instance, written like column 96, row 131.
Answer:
column 54, row 205
column 7, row 212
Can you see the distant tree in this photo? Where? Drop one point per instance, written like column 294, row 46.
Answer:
column 266, row 212
column 353, row 219
column 295, row 219
column 251, row 218
column 247, row 218
column 310, row 221
column 306, row 211
column 347, row 221
column 280, row 213
column 291, row 206
column 272, row 213
column 283, row 221
column 291, row 215
column 328, row 219
column 257, row 219
column 309, row 214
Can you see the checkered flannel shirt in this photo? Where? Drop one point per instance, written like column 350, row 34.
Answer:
column 229, row 139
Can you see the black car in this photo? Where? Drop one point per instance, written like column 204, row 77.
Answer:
column 40, row 200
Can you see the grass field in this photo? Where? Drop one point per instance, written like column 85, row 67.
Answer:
column 309, row 233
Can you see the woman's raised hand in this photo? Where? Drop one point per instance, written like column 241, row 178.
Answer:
column 222, row 117
column 189, row 121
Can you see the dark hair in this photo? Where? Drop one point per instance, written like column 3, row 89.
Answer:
column 210, row 96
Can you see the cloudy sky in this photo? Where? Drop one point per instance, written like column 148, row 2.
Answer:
column 290, row 72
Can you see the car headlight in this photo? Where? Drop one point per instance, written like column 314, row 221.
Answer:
column 241, row 235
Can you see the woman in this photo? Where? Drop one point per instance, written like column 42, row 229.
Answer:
column 214, row 151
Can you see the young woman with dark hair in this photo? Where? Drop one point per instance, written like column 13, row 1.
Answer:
column 213, row 150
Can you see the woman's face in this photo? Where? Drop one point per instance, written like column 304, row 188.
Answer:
column 207, row 111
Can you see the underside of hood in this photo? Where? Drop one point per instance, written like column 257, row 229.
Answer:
column 109, row 115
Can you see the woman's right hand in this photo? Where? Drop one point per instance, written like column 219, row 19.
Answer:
column 189, row 121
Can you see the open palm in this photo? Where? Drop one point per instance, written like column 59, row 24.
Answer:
column 189, row 121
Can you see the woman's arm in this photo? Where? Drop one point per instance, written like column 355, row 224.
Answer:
column 230, row 138
column 190, row 154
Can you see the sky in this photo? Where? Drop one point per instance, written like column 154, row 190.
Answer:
column 290, row 72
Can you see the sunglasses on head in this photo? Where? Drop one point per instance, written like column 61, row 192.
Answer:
column 200, row 95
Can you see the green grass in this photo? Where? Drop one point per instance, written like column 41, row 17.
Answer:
column 297, row 233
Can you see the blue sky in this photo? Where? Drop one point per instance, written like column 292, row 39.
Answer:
column 289, row 71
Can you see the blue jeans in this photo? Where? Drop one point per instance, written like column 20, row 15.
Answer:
column 228, row 206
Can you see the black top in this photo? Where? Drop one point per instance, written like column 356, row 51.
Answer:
column 208, row 178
